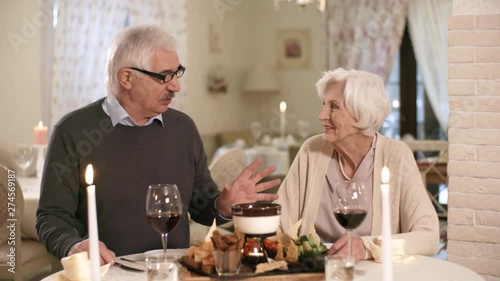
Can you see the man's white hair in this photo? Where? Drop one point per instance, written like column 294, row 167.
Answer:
column 134, row 47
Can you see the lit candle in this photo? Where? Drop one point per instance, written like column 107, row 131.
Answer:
column 95, row 259
column 40, row 134
column 282, row 120
column 386, row 227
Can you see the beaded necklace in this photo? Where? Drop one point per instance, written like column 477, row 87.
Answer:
column 340, row 160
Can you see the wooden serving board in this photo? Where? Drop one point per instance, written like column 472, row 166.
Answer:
column 191, row 276
column 193, row 272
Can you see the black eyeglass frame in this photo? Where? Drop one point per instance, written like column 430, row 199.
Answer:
column 163, row 77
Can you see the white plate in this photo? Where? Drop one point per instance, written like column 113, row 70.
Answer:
column 176, row 253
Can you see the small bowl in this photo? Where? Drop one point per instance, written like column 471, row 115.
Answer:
column 257, row 218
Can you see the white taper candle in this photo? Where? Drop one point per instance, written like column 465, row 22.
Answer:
column 95, row 259
column 386, row 227
column 282, row 120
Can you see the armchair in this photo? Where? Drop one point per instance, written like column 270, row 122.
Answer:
column 19, row 257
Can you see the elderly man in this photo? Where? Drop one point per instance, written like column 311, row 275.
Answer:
column 133, row 139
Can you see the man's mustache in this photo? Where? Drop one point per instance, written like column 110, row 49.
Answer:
column 168, row 96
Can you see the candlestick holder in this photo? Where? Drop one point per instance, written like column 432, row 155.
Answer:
column 40, row 158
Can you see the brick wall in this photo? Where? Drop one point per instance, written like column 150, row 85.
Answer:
column 474, row 136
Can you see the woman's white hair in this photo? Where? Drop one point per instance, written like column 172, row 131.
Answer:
column 134, row 47
column 365, row 97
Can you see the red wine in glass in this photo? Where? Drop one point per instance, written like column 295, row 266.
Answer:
column 350, row 219
column 164, row 222
column 163, row 209
column 350, row 206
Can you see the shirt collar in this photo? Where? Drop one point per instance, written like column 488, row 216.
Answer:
column 118, row 114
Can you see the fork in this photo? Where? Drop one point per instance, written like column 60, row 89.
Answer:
column 133, row 259
column 121, row 265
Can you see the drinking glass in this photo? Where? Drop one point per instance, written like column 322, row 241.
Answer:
column 256, row 130
column 159, row 268
column 24, row 156
column 227, row 263
column 339, row 268
column 350, row 207
column 163, row 209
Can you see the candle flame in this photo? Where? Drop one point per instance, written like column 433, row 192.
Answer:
column 40, row 125
column 282, row 106
column 385, row 175
column 89, row 174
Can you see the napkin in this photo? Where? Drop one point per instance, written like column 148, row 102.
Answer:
column 291, row 233
column 210, row 232
column 77, row 267
column 397, row 251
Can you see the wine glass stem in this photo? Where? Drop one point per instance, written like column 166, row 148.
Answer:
column 164, row 243
column 349, row 247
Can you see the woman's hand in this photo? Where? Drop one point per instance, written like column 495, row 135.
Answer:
column 246, row 187
column 340, row 247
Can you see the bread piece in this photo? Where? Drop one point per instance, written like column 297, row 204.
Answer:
column 230, row 239
column 200, row 254
column 207, row 246
column 208, row 269
column 241, row 238
column 270, row 266
column 280, row 254
column 191, row 262
column 190, row 251
column 292, row 253
column 208, row 261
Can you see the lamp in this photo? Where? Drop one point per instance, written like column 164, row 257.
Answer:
column 302, row 4
column 261, row 78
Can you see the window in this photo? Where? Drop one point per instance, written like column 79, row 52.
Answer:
column 411, row 112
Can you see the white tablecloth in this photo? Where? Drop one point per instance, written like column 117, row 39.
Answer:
column 31, row 192
column 424, row 268
column 270, row 154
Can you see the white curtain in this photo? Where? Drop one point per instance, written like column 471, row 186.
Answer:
column 365, row 34
column 428, row 26
column 83, row 33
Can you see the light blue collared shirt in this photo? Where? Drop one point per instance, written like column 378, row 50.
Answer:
column 118, row 114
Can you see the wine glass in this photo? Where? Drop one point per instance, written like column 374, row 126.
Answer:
column 24, row 155
column 163, row 209
column 256, row 130
column 303, row 129
column 350, row 207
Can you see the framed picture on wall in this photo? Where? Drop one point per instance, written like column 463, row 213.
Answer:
column 293, row 47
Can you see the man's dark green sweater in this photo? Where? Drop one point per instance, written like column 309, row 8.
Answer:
column 126, row 160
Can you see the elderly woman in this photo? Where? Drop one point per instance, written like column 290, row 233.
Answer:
column 355, row 105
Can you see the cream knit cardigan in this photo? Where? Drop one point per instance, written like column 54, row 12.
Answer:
column 413, row 217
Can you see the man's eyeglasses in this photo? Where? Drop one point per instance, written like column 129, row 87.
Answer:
column 166, row 77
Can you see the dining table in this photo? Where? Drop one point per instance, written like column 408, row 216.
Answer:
column 271, row 156
column 421, row 268
column 31, row 194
